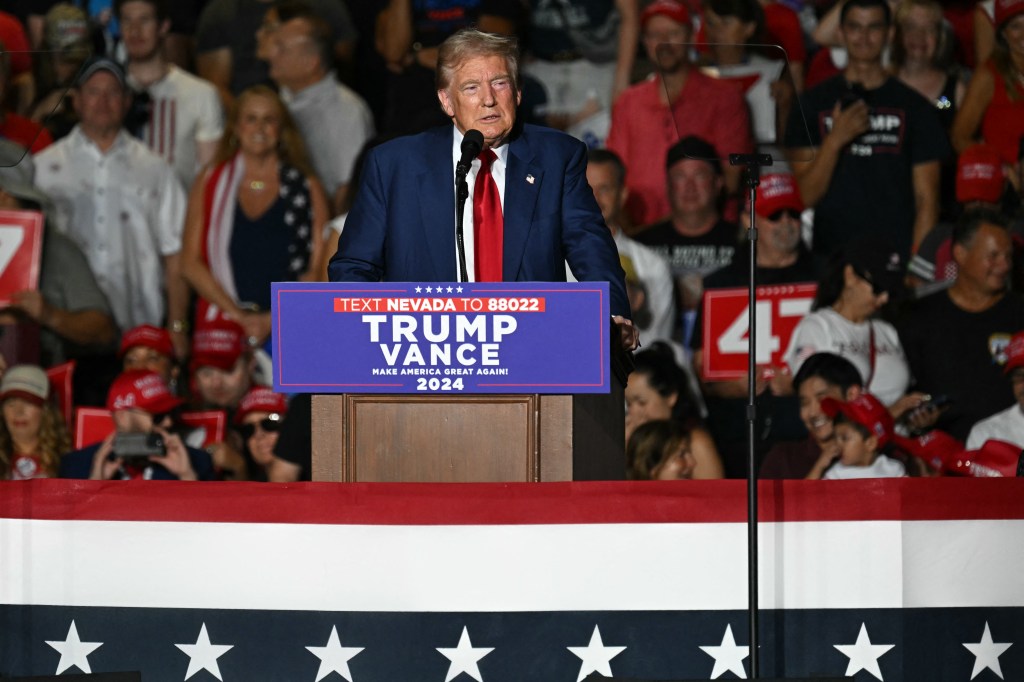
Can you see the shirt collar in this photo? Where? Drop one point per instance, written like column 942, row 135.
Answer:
column 301, row 97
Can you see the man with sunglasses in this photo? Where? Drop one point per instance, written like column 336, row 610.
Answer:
column 782, row 258
column 143, row 445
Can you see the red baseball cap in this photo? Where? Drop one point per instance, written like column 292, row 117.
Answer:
column 157, row 338
column 141, row 389
column 218, row 343
column 937, row 448
column 1006, row 10
column 979, row 174
column 1014, row 353
column 776, row 192
column 673, row 9
column 261, row 399
column 994, row 459
column 865, row 410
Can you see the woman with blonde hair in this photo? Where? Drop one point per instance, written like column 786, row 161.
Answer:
column 255, row 216
column 33, row 435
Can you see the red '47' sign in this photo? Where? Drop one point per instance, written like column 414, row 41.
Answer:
column 21, row 246
column 726, row 327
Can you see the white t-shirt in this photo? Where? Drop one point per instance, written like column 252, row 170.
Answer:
column 1007, row 425
column 882, row 467
column 826, row 331
column 185, row 110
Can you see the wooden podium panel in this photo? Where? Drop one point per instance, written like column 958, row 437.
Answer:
column 483, row 438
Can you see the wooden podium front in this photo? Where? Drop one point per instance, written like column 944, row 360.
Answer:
column 482, row 438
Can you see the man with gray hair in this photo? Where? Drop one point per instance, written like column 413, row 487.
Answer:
column 533, row 212
column 332, row 118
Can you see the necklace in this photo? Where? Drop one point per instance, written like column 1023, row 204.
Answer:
column 257, row 185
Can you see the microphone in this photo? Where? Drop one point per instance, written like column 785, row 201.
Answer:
column 472, row 143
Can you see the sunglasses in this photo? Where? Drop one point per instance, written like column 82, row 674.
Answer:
column 268, row 425
column 778, row 215
column 876, row 288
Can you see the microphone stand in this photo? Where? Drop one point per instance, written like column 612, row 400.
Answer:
column 753, row 164
column 461, row 194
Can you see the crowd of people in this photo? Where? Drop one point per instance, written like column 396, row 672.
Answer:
column 185, row 155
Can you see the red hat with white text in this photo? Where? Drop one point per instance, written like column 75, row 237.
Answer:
column 979, row 175
column 147, row 335
column 219, row 344
column 141, row 389
column 777, row 192
column 261, row 399
column 1014, row 353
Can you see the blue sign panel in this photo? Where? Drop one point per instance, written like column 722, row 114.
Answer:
column 400, row 337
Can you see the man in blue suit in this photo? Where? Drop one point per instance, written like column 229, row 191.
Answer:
column 402, row 225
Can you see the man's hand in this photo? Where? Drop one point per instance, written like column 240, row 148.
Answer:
column 32, row 303
column 103, row 467
column 848, row 124
column 176, row 460
column 629, row 334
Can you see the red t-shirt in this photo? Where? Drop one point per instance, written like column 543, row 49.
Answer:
column 643, row 129
column 12, row 33
column 25, row 132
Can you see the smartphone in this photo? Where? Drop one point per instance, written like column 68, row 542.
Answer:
column 138, row 446
column 854, row 93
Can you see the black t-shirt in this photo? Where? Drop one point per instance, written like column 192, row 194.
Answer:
column 960, row 354
column 686, row 255
column 295, row 439
column 871, row 191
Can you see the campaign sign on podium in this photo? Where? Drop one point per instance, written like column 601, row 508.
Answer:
column 449, row 338
column 21, row 247
column 726, row 327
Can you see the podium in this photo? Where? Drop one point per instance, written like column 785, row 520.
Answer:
column 503, row 405
column 476, row 438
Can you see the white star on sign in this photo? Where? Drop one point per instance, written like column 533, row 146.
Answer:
column 334, row 657
column 449, row 290
column 863, row 654
column 464, row 658
column 74, row 652
column 728, row 656
column 596, row 657
column 458, row 289
column 203, row 655
column 430, row 289
column 419, row 290
column 987, row 653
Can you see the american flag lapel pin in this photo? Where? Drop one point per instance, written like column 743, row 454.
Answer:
column 529, row 179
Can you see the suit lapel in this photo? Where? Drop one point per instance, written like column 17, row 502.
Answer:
column 437, row 204
column 523, row 179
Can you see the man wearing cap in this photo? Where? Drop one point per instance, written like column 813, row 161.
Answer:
column 1007, row 425
column 782, row 258
column 679, row 101
column 150, row 348
column 69, row 306
column 140, row 403
column 870, row 165
column 955, row 340
column 222, row 364
column 694, row 239
column 980, row 183
column 121, row 203
column 176, row 114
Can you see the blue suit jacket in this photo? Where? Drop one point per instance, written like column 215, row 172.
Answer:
column 402, row 225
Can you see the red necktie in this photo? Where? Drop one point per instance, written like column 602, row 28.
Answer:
column 487, row 222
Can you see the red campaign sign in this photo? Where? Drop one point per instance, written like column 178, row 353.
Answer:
column 21, row 247
column 61, row 377
column 211, row 421
column 92, row 424
column 726, row 327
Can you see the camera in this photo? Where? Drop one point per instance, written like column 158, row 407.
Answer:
column 139, row 446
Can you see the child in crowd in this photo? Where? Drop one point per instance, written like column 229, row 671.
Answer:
column 659, row 450
column 863, row 429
